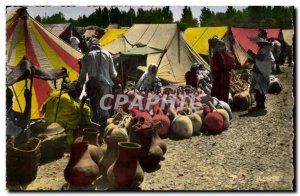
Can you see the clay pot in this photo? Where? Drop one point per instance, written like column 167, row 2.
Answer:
column 181, row 126
column 213, row 120
column 91, row 136
column 111, row 153
column 219, row 103
column 119, row 124
column 159, row 141
column 227, row 108
column 195, row 119
column 159, row 116
column 226, row 117
column 151, row 153
column 138, row 114
column 81, row 169
column 126, row 172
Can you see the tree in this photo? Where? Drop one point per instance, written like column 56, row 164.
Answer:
column 115, row 15
column 187, row 19
column 206, row 16
column 132, row 16
column 38, row 18
column 167, row 15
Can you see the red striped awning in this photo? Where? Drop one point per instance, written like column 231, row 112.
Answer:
column 26, row 37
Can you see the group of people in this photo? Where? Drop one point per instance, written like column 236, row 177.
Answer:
column 98, row 74
column 266, row 61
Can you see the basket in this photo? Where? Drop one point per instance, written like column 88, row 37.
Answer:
column 22, row 161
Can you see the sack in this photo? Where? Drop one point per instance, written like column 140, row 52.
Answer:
column 92, row 88
column 275, row 86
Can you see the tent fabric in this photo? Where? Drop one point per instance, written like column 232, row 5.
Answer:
column 113, row 26
column 198, row 37
column 242, row 35
column 240, row 54
column 174, row 63
column 90, row 33
column 26, row 70
column 26, row 37
column 57, row 29
column 110, row 35
column 142, row 51
column 287, row 35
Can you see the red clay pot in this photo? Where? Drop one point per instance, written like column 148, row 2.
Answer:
column 126, row 171
column 137, row 114
column 163, row 130
column 111, row 153
column 91, row 136
column 151, row 153
column 81, row 169
column 213, row 120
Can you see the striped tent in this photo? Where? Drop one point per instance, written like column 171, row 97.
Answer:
column 26, row 37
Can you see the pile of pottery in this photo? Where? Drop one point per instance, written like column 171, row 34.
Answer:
column 182, row 94
column 131, row 144
column 133, row 141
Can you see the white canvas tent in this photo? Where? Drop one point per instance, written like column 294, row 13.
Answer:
column 177, row 55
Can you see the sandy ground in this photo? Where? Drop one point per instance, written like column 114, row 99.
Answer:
column 256, row 153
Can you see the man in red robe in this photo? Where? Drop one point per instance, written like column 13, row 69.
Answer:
column 221, row 64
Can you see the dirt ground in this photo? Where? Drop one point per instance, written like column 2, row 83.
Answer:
column 256, row 153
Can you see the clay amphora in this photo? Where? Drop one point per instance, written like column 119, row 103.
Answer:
column 213, row 120
column 138, row 114
column 226, row 117
column 91, row 136
column 159, row 141
column 163, row 130
column 111, row 153
column 151, row 153
column 81, row 169
column 181, row 126
column 126, row 172
column 195, row 118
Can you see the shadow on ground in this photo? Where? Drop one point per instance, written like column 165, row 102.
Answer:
column 254, row 112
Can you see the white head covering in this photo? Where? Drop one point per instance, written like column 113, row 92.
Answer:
column 147, row 78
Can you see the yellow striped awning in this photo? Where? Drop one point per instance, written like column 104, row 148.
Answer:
column 26, row 37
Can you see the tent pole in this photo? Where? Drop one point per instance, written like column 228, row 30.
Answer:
column 178, row 46
column 59, row 99
column 122, row 76
column 30, row 101
column 161, row 57
column 17, row 98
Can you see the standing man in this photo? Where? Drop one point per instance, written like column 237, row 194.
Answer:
column 221, row 64
column 98, row 65
column 261, row 71
column 276, row 50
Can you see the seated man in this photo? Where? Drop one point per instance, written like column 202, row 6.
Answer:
column 149, row 80
column 191, row 77
column 70, row 113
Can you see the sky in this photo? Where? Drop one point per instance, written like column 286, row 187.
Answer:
column 76, row 11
